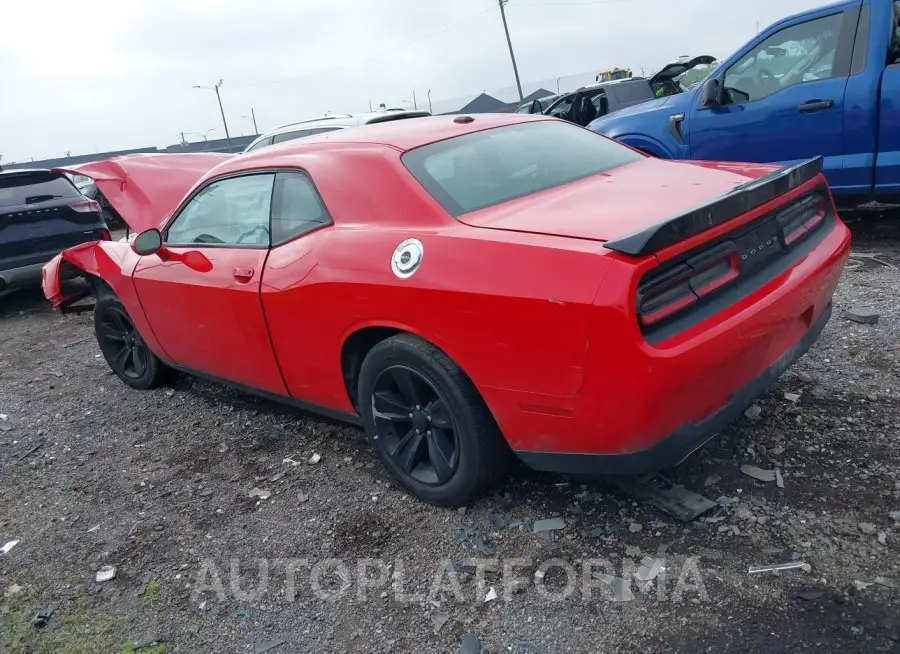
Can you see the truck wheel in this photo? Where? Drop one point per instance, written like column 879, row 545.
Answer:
column 428, row 423
column 122, row 346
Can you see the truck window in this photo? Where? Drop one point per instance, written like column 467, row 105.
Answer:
column 894, row 57
column 799, row 53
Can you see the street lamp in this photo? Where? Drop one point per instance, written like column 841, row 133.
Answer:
column 429, row 102
column 219, row 97
column 252, row 117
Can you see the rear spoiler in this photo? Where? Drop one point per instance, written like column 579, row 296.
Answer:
column 739, row 200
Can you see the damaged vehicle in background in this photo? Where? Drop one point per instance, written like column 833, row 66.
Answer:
column 591, row 102
column 485, row 284
column 41, row 213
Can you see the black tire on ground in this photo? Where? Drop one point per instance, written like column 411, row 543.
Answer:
column 481, row 455
column 123, row 347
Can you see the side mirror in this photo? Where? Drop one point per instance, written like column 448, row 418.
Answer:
column 147, row 242
column 710, row 94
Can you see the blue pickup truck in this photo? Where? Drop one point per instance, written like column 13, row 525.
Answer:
column 823, row 82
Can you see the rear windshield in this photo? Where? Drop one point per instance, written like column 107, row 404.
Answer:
column 33, row 188
column 485, row 168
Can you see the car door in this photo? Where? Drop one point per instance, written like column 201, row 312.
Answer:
column 201, row 292
column 783, row 100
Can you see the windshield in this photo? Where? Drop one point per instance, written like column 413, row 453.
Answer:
column 485, row 168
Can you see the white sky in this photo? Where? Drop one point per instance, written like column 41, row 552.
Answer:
column 102, row 75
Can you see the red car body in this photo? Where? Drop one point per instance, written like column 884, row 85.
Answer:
column 538, row 299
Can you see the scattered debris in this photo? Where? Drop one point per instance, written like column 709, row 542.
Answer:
column 550, row 524
column 498, row 521
column 268, row 645
column 491, row 595
column 635, row 527
column 650, row 569
column 202, row 606
column 34, row 449
column 895, row 516
column 4, row 416
column 758, row 473
column 778, row 450
column 93, row 529
column 439, row 620
column 42, row 617
column 862, row 258
column 241, row 613
column 223, row 448
column 621, row 588
column 469, row 644
column 887, row 583
column 753, row 412
column 170, row 393
column 712, row 480
column 882, row 537
column 658, row 491
column 260, row 494
column 862, row 315
column 483, row 545
column 861, row 585
column 13, row 591
column 6, row 548
column 779, row 480
column 302, row 497
column 792, row 397
column 205, row 492
column 811, row 594
column 106, row 573
column 754, row 569
column 867, row 528
column 291, row 461
column 144, row 581
column 314, row 459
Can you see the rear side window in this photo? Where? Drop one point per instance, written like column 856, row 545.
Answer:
column 632, row 92
column 32, row 188
column 485, row 168
column 290, row 136
column 296, row 207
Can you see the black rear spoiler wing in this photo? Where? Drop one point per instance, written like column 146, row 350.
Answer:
column 737, row 201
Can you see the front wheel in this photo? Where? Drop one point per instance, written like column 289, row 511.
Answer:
column 122, row 346
column 428, row 423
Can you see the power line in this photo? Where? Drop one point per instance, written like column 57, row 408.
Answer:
column 373, row 57
column 569, row 4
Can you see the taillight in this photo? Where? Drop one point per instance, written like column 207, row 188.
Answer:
column 665, row 294
column 85, row 206
column 802, row 218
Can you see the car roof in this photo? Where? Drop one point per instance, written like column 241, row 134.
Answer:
column 10, row 172
column 340, row 121
column 400, row 135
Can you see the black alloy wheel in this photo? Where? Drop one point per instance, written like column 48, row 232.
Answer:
column 121, row 344
column 414, row 426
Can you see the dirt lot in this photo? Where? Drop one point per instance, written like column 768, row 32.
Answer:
column 158, row 484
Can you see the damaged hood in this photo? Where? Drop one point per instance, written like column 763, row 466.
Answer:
column 146, row 188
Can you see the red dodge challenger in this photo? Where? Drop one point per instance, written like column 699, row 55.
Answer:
column 466, row 286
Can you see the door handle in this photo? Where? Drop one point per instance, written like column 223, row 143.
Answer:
column 816, row 105
column 243, row 274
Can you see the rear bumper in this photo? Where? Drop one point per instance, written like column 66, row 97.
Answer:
column 21, row 276
column 687, row 438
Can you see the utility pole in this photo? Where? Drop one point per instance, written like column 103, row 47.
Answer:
column 429, row 102
column 415, row 105
column 512, row 55
column 253, row 116
column 215, row 88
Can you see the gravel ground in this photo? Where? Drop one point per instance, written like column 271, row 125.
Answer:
column 160, row 484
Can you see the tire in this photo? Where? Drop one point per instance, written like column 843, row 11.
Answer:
column 116, row 333
column 479, row 456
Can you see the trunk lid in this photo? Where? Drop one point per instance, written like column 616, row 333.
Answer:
column 619, row 202
column 146, row 188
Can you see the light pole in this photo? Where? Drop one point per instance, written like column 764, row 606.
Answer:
column 252, row 117
column 512, row 55
column 429, row 102
column 219, row 97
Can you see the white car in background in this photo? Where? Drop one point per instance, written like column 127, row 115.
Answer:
column 329, row 123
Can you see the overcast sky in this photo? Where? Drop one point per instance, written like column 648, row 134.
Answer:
column 101, row 75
